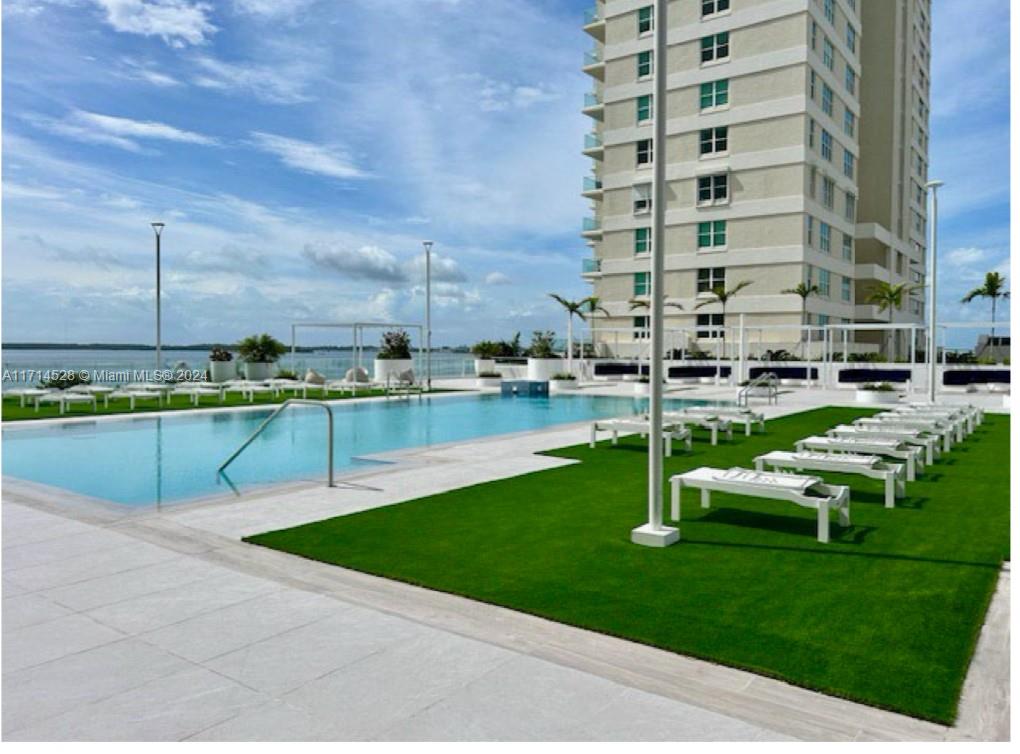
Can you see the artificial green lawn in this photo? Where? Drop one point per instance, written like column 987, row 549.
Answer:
column 887, row 613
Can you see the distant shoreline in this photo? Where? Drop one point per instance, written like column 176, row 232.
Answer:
column 193, row 347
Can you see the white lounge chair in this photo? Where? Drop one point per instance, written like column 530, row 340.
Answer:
column 134, row 396
column 975, row 413
column 248, row 389
column 909, row 454
column 637, row 425
column 943, row 436
column 25, row 394
column 404, row 384
column 99, row 391
column 356, row 378
column 806, row 491
column 195, row 392
column 942, row 426
column 712, row 422
column 909, row 435
column 65, row 398
column 963, row 422
column 893, row 474
column 732, row 414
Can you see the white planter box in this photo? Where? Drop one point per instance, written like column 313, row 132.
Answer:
column 642, row 388
column 877, row 397
column 221, row 371
column 543, row 369
column 388, row 370
column 484, row 382
column 484, row 365
column 562, row 386
column 257, row 370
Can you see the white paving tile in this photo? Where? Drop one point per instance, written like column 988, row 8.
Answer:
column 28, row 609
column 43, row 642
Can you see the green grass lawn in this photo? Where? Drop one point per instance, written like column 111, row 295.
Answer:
column 887, row 613
column 12, row 410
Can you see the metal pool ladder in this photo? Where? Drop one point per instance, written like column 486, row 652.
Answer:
column 768, row 380
column 268, row 421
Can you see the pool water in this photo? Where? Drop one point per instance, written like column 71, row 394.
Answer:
column 143, row 461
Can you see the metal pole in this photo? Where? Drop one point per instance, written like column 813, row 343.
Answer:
column 933, row 217
column 654, row 533
column 158, row 230
column 428, row 313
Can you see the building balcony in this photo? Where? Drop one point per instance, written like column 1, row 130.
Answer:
column 593, row 146
column 591, row 268
column 591, row 187
column 594, row 65
column 593, row 105
column 591, row 228
column 594, row 24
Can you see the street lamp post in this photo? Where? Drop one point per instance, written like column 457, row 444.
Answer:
column 158, row 229
column 428, row 314
column 933, row 219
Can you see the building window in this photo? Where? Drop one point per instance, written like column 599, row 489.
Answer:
column 711, row 7
column 826, row 145
column 849, row 122
column 713, row 189
column 644, row 64
column 642, row 240
column 848, row 163
column 851, row 80
column 823, row 319
column 645, row 19
column 827, row 100
column 641, row 328
column 811, row 133
column 809, row 233
column 644, row 152
column 812, row 181
column 848, row 247
column 845, row 291
column 814, row 36
column 642, row 198
column 715, row 47
column 851, row 207
column 812, row 84
column 828, row 56
column 830, row 11
column 851, row 37
column 825, row 237
column 714, row 140
column 642, row 283
column 710, row 278
column 712, row 321
column 823, row 282
column 712, row 235
column 715, row 94
column 644, row 108
column 828, row 192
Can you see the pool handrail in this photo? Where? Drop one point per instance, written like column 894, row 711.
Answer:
column 269, row 419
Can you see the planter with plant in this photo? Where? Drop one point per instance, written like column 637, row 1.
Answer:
column 259, row 353
column 394, row 356
column 221, row 365
column 543, row 362
column 562, row 382
column 488, row 379
column 877, row 393
column 485, row 352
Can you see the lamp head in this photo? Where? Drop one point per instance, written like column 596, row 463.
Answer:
column 158, row 227
column 933, row 184
column 427, row 245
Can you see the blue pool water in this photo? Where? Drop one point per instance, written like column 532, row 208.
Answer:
column 144, row 461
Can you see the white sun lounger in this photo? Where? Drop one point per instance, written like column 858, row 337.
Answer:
column 910, row 454
column 670, row 431
column 137, row 395
column 280, row 386
column 942, row 426
column 806, row 491
column 195, row 392
column 732, row 414
column 65, row 398
column 99, row 391
column 248, row 389
column 32, row 394
column 963, row 422
column 975, row 414
column 943, row 436
column 909, row 435
column 893, row 474
column 712, row 422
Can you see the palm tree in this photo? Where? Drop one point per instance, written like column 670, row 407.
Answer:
column 889, row 297
column 593, row 304
column 805, row 291
column 573, row 308
column 993, row 288
column 720, row 295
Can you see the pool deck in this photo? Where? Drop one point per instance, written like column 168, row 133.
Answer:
column 165, row 626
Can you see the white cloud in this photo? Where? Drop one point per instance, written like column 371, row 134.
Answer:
column 140, row 129
column 278, row 84
column 307, row 156
column 272, row 9
column 363, row 263
column 176, row 22
column 497, row 278
column 443, row 269
column 966, row 256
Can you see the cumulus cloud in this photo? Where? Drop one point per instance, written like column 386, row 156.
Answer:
column 363, row 263
column 497, row 278
column 115, row 131
column 176, row 22
column 444, row 269
column 272, row 9
column 276, row 84
column 307, row 156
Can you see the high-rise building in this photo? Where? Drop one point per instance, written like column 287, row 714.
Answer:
column 796, row 153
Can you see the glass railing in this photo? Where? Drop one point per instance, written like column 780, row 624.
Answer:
column 591, row 99
column 590, row 265
column 592, row 141
column 591, row 57
column 591, row 15
column 591, row 183
column 589, row 223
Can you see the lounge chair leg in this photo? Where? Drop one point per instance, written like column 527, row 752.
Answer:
column 715, row 435
column 911, row 471
column 591, row 441
column 614, row 437
column 823, row 522
column 747, row 428
column 675, row 500
column 759, row 464
column 706, row 499
column 890, row 490
column 667, row 444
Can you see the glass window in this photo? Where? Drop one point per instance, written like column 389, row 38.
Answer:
column 848, row 163
column 641, row 328
column 714, row 140
column 851, row 37
column 826, row 99
column 642, row 240
column 712, row 234
column 812, row 84
column 849, row 122
column 642, row 198
column 828, row 56
column 711, row 7
column 710, row 278
column 713, row 189
column 644, row 152
column 825, row 237
column 850, row 212
column 644, row 108
column 823, row 282
column 645, row 19
column 642, row 283
column 848, row 247
column 715, row 47
column 826, row 145
column 644, row 64
column 830, row 11
column 814, row 35
column 828, row 192
column 851, row 80
column 715, row 94
column 710, row 322
column 811, row 133
column 809, row 232
column 845, row 291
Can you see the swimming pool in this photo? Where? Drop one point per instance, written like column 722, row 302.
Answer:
column 142, row 461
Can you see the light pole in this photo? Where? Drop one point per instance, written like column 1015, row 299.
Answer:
column 158, row 229
column 428, row 314
column 933, row 219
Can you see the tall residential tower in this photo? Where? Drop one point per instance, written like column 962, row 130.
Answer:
column 796, row 152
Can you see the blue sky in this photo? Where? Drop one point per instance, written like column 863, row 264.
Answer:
column 299, row 150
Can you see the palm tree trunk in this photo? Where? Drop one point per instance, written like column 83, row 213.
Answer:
column 994, row 299
column 570, row 342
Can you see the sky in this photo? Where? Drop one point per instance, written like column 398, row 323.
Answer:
column 299, row 151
